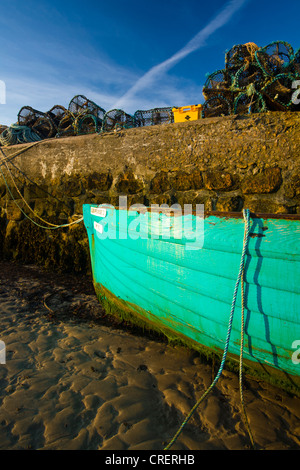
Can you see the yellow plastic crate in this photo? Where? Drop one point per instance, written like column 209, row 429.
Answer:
column 187, row 113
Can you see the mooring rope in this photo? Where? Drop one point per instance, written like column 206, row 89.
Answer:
column 19, row 152
column 23, row 199
column 32, row 182
column 16, row 154
column 240, row 278
column 246, row 214
column 52, row 226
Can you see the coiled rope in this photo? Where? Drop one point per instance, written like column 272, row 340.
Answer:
column 16, row 134
column 246, row 214
column 51, row 226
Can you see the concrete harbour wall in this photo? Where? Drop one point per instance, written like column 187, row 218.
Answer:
column 225, row 163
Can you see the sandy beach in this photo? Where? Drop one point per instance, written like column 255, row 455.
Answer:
column 74, row 379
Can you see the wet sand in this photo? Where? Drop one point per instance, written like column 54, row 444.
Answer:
column 74, row 379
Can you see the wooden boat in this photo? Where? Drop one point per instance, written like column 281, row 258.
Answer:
column 184, row 286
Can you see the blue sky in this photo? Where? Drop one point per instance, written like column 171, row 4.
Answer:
column 127, row 54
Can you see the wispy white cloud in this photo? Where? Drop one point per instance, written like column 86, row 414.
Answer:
column 41, row 83
column 54, row 66
column 195, row 43
column 42, row 89
column 53, row 69
column 42, row 95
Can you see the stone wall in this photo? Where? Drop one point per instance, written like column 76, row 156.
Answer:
column 225, row 163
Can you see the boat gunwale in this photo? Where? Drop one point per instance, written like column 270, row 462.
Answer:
column 172, row 211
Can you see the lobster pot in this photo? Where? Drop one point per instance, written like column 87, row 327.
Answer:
column 238, row 55
column 27, row 116
column 44, row 127
column 82, row 105
column 2, row 128
column 278, row 92
column 56, row 114
column 294, row 66
column 117, row 119
column 66, row 126
column 249, row 103
column 248, row 74
column 217, row 83
column 39, row 122
column 216, row 106
column 153, row 117
column 274, row 58
column 88, row 124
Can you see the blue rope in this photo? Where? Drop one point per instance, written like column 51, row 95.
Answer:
column 246, row 214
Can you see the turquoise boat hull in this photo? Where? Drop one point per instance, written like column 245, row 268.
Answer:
column 184, row 285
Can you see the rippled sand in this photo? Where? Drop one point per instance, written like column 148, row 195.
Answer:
column 75, row 380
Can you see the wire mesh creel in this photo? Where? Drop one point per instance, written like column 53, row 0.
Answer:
column 153, row 117
column 39, row 122
column 66, row 126
column 246, row 103
column 239, row 55
column 294, row 66
column 80, row 104
column 87, row 124
column 216, row 106
column 278, row 92
column 56, row 114
column 254, row 80
column 217, row 83
column 117, row 119
column 247, row 75
column 274, row 58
